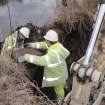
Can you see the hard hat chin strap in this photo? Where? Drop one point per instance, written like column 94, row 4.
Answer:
column 20, row 37
column 49, row 43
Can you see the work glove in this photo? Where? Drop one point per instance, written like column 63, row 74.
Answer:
column 27, row 45
column 21, row 59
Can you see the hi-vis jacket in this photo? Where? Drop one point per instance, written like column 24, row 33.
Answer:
column 10, row 43
column 55, row 68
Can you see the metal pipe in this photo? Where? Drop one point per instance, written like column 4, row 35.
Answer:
column 94, row 34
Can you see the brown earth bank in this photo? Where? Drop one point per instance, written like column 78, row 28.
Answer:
column 16, row 88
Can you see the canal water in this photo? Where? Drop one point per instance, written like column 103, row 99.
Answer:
column 20, row 12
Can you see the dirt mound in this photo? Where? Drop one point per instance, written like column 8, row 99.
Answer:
column 15, row 87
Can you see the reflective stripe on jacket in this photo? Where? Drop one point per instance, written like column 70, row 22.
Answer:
column 10, row 43
column 55, row 68
column 39, row 45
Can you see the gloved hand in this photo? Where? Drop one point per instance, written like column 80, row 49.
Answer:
column 27, row 45
column 21, row 59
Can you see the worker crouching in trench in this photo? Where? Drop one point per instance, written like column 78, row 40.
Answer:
column 54, row 62
column 16, row 40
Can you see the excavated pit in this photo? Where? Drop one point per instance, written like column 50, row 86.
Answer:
column 73, row 22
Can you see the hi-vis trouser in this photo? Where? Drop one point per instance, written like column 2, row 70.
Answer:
column 59, row 90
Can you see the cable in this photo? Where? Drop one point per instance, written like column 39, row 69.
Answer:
column 10, row 24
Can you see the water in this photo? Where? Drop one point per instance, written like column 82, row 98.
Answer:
column 39, row 12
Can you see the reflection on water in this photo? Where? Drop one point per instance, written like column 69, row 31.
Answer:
column 39, row 12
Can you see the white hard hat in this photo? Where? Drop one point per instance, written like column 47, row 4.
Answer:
column 25, row 31
column 51, row 35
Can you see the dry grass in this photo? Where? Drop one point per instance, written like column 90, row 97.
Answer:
column 76, row 12
column 17, row 89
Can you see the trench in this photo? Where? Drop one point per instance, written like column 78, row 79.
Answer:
column 75, row 41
